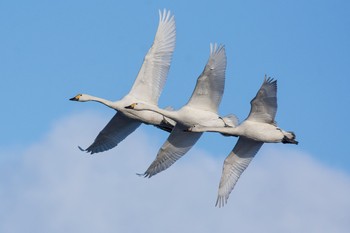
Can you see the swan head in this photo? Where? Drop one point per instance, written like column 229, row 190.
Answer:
column 133, row 106
column 139, row 106
column 81, row 98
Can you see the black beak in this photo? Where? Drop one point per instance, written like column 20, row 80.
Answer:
column 129, row 107
column 73, row 99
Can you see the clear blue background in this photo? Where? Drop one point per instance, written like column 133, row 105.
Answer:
column 52, row 50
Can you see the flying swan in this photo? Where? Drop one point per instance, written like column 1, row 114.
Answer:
column 201, row 109
column 146, row 89
column 253, row 132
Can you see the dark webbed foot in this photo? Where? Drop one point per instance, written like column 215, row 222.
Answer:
column 287, row 140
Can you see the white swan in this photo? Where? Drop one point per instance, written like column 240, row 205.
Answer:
column 258, row 128
column 201, row 109
column 147, row 88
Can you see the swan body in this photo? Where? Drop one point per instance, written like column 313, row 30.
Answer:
column 201, row 110
column 262, row 132
column 259, row 128
column 186, row 116
column 147, row 88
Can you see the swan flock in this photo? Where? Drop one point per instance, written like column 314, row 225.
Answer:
column 198, row 115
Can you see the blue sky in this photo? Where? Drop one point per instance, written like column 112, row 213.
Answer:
column 52, row 50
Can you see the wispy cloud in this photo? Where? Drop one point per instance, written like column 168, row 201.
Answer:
column 53, row 187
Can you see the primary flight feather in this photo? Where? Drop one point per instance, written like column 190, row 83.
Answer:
column 259, row 127
column 201, row 109
column 146, row 88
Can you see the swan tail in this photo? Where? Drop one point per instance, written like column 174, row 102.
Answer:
column 289, row 137
column 230, row 120
column 165, row 127
column 169, row 108
column 166, row 124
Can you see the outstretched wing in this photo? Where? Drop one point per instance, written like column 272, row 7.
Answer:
column 264, row 105
column 117, row 129
column 154, row 70
column 211, row 83
column 235, row 163
column 178, row 143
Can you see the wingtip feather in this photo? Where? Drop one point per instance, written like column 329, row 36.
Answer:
column 165, row 15
column 269, row 80
column 216, row 48
column 221, row 201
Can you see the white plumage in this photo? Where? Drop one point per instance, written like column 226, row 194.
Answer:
column 253, row 132
column 201, row 109
column 147, row 88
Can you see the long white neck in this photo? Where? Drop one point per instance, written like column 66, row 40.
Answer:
column 108, row 103
column 167, row 113
column 224, row 130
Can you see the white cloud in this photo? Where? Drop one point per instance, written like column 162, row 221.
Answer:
column 53, row 187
